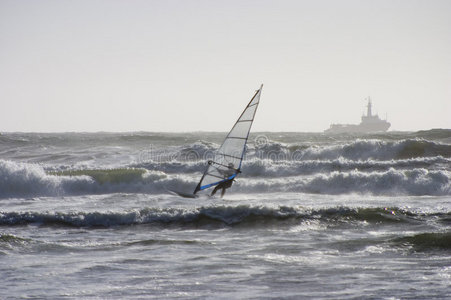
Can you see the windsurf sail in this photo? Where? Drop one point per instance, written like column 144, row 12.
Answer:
column 227, row 161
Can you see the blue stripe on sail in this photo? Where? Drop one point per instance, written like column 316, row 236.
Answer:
column 215, row 183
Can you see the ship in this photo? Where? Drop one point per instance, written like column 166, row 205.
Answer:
column 369, row 123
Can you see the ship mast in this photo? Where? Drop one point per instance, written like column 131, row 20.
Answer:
column 368, row 112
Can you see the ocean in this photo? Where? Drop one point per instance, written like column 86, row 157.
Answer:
column 311, row 216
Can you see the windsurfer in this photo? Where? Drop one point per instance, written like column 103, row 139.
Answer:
column 223, row 185
column 230, row 171
column 220, row 171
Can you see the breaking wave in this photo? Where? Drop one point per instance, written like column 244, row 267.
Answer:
column 392, row 182
column 22, row 179
column 31, row 180
column 220, row 216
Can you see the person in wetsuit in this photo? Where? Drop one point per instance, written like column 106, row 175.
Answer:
column 223, row 185
column 227, row 183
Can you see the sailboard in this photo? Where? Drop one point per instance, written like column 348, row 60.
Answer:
column 227, row 160
column 182, row 194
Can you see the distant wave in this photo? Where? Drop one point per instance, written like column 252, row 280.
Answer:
column 219, row 215
column 437, row 133
column 276, row 159
column 255, row 167
column 355, row 150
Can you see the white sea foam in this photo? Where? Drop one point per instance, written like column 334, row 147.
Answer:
column 23, row 179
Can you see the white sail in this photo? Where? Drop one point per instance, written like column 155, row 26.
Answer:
column 228, row 159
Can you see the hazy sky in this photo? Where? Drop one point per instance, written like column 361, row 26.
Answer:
column 193, row 65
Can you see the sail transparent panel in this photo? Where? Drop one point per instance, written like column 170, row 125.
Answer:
column 249, row 113
column 240, row 130
column 231, row 151
column 227, row 160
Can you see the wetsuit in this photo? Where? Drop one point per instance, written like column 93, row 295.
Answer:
column 223, row 185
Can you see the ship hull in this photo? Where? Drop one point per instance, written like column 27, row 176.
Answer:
column 361, row 128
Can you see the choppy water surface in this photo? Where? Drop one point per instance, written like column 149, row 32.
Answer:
column 89, row 216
